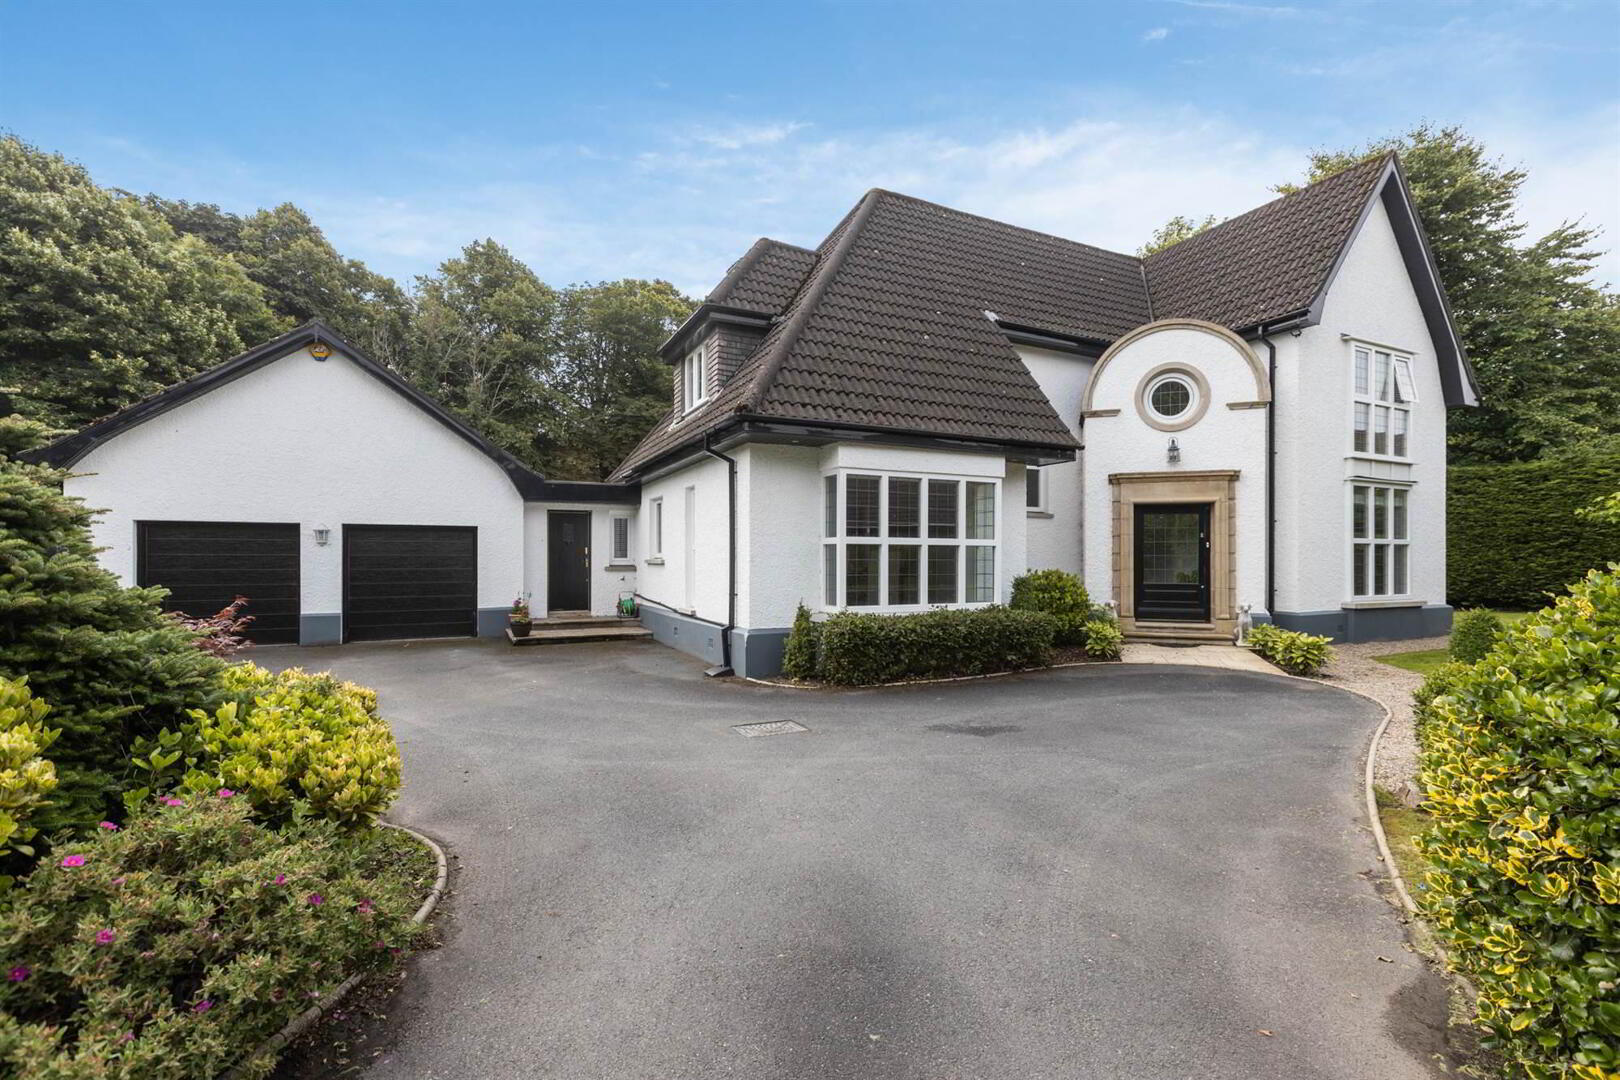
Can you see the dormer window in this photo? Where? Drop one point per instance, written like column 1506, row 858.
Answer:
column 694, row 380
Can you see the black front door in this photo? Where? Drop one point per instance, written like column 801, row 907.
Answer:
column 1172, row 562
column 568, row 563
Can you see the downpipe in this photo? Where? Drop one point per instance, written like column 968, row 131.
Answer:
column 725, row 667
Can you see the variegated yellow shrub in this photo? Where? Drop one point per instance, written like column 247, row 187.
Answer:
column 292, row 743
column 26, row 777
column 1521, row 765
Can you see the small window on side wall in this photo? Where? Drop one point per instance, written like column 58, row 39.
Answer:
column 1035, row 480
column 621, row 539
column 655, row 528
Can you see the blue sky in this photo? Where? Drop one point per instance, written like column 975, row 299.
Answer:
column 659, row 139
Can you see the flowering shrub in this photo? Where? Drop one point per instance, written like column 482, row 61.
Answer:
column 1520, row 762
column 25, row 776
column 1059, row 594
column 222, row 633
column 1294, row 652
column 289, row 743
column 169, row 948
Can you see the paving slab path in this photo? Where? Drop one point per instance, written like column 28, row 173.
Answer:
column 1121, row 871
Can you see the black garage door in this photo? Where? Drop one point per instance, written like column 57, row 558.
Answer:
column 207, row 564
column 409, row 581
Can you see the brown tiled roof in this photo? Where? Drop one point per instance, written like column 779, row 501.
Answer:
column 1267, row 263
column 885, row 324
column 765, row 278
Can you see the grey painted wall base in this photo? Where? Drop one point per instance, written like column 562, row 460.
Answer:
column 757, row 653
column 1371, row 624
column 683, row 632
column 320, row 629
column 492, row 621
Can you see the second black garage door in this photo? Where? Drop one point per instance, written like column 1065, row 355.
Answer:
column 207, row 564
column 409, row 581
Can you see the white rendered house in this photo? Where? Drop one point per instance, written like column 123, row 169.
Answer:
column 910, row 415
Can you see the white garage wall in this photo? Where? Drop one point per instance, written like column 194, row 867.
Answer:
column 610, row 578
column 319, row 443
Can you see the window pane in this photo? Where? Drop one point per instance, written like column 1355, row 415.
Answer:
column 657, row 527
column 1399, row 552
column 942, row 574
column 1381, row 430
column 1380, row 555
column 1381, row 377
column 1360, row 568
column 905, row 507
column 861, row 575
column 1358, row 513
column 1404, row 390
column 905, row 574
column 942, row 496
column 1362, row 360
column 830, row 487
column 981, row 574
column 1398, row 447
column 1399, row 495
column 1032, row 487
column 981, row 511
column 1381, row 513
column 1362, row 417
column 860, row 506
column 621, row 538
column 829, row 572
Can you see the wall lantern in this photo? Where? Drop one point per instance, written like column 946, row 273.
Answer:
column 323, row 537
column 1174, row 453
column 320, row 350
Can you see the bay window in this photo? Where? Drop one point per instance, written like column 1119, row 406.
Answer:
column 1379, row 542
column 1383, row 397
column 906, row 541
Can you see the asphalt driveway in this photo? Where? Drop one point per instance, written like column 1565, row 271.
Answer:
column 1104, row 871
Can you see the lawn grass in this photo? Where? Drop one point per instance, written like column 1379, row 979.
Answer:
column 1424, row 661
column 1402, row 825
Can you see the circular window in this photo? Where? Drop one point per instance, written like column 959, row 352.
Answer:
column 1170, row 396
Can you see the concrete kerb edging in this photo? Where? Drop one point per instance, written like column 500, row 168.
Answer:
column 926, row 682
column 302, row 1022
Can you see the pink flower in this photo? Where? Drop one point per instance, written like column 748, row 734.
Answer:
column 73, row 860
column 119, row 880
column 21, row 972
column 363, row 907
column 128, row 1036
column 170, row 800
column 226, row 793
column 109, row 826
column 106, row 937
column 281, row 879
column 315, row 899
column 202, row 1006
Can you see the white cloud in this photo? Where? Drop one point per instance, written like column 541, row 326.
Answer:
column 1266, row 11
column 739, row 136
column 1158, row 33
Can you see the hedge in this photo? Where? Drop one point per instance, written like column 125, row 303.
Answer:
column 1059, row 594
column 1521, row 770
column 1513, row 534
column 860, row 649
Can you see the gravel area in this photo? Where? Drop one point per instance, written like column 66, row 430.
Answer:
column 1354, row 667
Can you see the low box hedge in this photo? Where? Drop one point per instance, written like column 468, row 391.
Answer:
column 856, row 649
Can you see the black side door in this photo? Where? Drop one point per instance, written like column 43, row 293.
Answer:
column 207, row 564
column 1172, row 562
column 568, row 560
column 409, row 581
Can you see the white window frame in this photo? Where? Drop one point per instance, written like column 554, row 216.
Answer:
column 615, row 558
column 1388, row 398
column 1043, row 491
column 835, row 599
column 655, row 529
column 694, row 379
column 1375, row 547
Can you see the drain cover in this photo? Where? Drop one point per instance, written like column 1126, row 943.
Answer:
column 773, row 727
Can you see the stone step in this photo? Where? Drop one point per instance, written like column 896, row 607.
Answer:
column 1178, row 636
column 563, row 621
column 621, row 630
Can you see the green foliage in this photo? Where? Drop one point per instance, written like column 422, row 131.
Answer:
column 1512, row 531
column 111, row 665
column 1521, row 767
column 188, row 936
column 26, row 777
column 1605, row 510
column 1174, row 232
column 288, row 743
column 860, row 649
column 1543, row 338
column 101, row 302
column 1104, row 639
column 1294, row 652
column 803, row 641
column 1059, row 594
column 1473, row 632
column 1442, row 680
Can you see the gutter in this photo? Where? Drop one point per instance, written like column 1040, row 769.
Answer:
column 1261, row 332
column 725, row 667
